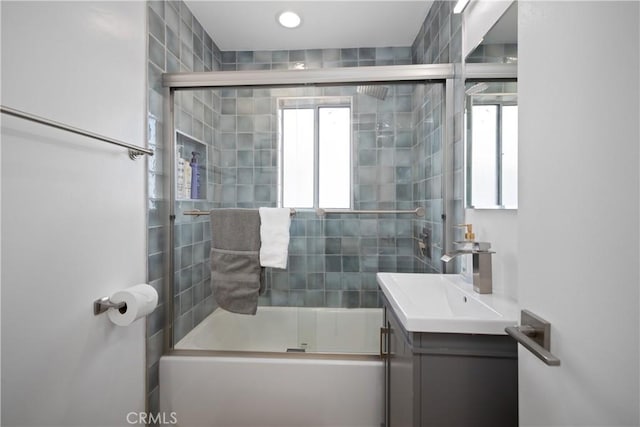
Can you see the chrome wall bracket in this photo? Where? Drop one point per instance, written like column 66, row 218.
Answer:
column 103, row 304
column 134, row 154
column 534, row 333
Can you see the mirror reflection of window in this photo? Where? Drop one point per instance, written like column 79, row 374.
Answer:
column 484, row 165
column 510, row 156
column 492, row 145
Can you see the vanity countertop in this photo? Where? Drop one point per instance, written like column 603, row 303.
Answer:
column 446, row 303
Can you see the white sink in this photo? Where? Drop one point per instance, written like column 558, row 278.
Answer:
column 446, row 303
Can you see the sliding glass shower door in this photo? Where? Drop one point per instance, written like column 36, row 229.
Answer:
column 355, row 147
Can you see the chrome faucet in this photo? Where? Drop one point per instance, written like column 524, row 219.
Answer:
column 482, row 275
column 481, row 259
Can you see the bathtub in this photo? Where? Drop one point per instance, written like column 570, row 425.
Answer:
column 263, row 385
column 278, row 329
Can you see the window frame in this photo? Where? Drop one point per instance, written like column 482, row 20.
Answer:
column 315, row 103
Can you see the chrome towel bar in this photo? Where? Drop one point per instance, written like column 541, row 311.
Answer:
column 322, row 212
column 197, row 212
column 534, row 334
column 134, row 150
column 417, row 211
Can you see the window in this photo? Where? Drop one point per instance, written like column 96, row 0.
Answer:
column 315, row 154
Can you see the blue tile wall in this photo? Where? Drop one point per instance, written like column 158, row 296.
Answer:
column 315, row 58
column 438, row 41
column 177, row 43
column 332, row 261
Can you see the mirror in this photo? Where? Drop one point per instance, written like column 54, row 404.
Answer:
column 491, row 122
column 500, row 44
column 491, row 144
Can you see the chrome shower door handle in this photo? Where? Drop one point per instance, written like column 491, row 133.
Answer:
column 535, row 335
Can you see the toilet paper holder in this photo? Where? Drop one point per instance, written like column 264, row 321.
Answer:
column 103, row 304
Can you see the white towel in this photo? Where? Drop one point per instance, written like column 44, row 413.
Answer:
column 274, row 236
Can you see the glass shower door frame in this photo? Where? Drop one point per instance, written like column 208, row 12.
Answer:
column 435, row 73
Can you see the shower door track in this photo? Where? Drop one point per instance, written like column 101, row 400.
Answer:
column 172, row 82
column 389, row 73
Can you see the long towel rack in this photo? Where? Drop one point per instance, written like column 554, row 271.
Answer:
column 198, row 212
column 134, row 150
column 417, row 211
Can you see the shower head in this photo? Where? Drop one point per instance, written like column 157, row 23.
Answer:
column 379, row 92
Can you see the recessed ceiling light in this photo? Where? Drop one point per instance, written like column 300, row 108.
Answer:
column 289, row 19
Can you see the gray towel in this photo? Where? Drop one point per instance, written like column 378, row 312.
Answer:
column 235, row 259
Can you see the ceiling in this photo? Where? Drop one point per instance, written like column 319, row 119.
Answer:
column 251, row 25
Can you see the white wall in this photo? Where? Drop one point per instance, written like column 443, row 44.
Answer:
column 497, row 226
column 578, row 217
column 73, row 212
column 500, row 228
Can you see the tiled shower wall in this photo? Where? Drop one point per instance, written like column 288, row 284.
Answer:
column 177, row 43
column 315, row 58
column 332, row 260
column 427, row 172
column 438, row 42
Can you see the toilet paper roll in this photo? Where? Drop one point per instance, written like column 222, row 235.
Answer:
column 140, row 301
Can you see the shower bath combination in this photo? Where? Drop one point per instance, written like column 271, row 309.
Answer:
column 320, row 317
column 333, row 259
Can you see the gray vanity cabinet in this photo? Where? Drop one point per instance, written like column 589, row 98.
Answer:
column 447, row 380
